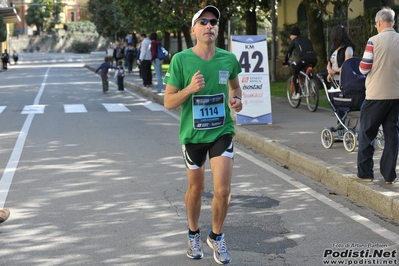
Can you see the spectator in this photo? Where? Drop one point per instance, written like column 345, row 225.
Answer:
column 342, row 48
column 380, row 63
column 129, row 57
column 5, row 58
column 145, row 60
column 156, row 62
column 118, row 53
column 15, row 56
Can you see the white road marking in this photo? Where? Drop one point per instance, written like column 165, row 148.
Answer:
column 376, row 228
column 115, row 107
column 33, row 109
column 153, row 106
column 75, row 108
column 9, row 171
column 2, row 108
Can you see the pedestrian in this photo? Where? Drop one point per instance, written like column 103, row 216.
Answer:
column 304, row 48
column 5, row 58
column 156, row 62
column 203, row 80
column 342, row 48
column 381, row 106
column 4, row 214
column 138, row 59
column 145, row 60
column 118, row 53
column 129, row 57
column 120, row 75
column 104, row 67
column 15, row 56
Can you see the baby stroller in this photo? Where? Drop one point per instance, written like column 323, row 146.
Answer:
column 345, row 98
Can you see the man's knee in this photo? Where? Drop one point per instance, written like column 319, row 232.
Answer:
column 222, row 192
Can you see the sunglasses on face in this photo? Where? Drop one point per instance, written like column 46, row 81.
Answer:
column 204, row 21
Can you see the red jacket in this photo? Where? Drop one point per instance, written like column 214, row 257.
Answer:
column 154, row 49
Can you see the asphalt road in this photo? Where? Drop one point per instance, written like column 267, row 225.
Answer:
column 98, row 179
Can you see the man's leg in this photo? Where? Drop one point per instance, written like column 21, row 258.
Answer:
column 371, row 116
column 195, row 189
column 300, row 65
column 390, row 153
column 222, row 168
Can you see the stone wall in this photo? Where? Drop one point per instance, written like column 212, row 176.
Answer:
column 55, row 43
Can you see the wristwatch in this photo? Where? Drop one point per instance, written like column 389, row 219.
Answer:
column 236, row 97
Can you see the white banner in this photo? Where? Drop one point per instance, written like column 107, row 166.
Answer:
column 251, row 52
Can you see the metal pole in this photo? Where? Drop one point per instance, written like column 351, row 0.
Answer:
column 273, row 43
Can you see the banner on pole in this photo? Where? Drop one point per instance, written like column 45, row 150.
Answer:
column 251, row 52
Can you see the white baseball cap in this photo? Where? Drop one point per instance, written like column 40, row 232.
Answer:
column 209, row 8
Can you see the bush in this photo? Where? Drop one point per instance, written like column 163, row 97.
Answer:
column 81, row 47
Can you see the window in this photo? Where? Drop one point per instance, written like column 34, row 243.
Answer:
column 302, row 13
column 72, row 16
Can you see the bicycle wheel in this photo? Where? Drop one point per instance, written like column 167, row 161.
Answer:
column 312, row 95
column 290, row 92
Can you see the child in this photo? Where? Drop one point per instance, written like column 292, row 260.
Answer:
column 120, row 74
column 104, row 73
column 15, row 57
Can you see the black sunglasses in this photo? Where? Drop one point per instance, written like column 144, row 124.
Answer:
column 205, row 21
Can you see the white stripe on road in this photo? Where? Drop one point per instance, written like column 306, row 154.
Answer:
column 2, row 108
column 153, row 106
column 33, row 109
column 74, row 108
column 115, row 107
column 376, row 228
column 9, row 171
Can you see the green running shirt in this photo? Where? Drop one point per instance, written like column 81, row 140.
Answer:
column 205, row 115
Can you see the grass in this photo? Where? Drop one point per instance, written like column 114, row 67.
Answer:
column 278, row 89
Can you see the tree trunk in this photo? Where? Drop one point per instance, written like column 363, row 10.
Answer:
column 389, row 3
column 316, row 36
column 251, row 27
column 220, row 42
column 187, row 36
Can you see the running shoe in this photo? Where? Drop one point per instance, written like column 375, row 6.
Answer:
column 220, row 253
column 194, row 250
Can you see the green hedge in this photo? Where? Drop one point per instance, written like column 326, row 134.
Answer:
column 81, row 47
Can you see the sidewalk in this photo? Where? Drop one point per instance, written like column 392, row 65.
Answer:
column 294, row 141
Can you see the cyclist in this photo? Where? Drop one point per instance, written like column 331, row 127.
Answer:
column 306, row 54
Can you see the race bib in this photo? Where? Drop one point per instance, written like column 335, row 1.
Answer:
column 208, row 111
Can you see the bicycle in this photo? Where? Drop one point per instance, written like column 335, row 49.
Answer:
column 309, row 89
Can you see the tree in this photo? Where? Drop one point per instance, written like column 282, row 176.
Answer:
column 109, row 18
column 3, row 30
column 39, row 14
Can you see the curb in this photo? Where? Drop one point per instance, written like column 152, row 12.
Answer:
column 375, row 197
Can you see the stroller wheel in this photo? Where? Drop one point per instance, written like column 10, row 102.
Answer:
column 327, row 138
column 350, row 141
